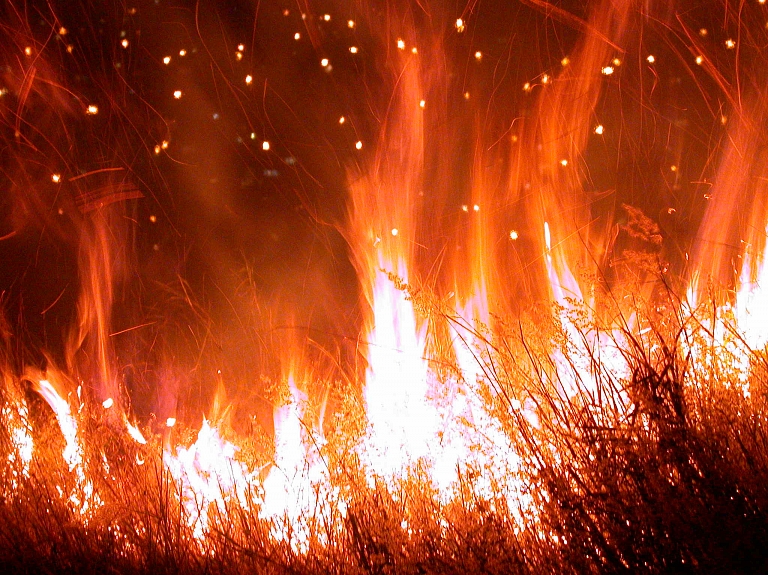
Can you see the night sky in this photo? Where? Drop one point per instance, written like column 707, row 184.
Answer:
column 217, row 183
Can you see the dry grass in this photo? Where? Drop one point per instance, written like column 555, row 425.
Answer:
column 668, row 475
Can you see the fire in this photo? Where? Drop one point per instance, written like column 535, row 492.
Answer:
column 402, row 423
column 297, row 486
column 752, row 299
column 16, row 414
column 83, row 497
column 73, row 453
column 463, row 391
column 209, row 478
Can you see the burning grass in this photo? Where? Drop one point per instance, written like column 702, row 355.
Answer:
column 609, row 429
column 657, row 467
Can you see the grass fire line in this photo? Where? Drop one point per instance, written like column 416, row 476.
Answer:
column 544, row 377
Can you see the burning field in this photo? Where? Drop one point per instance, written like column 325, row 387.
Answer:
column 387, row 286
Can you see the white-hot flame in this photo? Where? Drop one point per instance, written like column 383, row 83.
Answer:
column 16, row 417
column 402, row 423
column 297, row 487
column 83, row 498
column 208, row 475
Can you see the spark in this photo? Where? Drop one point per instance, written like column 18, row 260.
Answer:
column 167, row 60
column 730, row 44
column 327, row 17
column 478, row 55
column 248, row 79
column 182, row 53
column 703, row 32
column 607, row 70
column 107, row 403
column 240, row 47
column 63, row 31
column 124, row 43
column 565, row 61
column 177, row 94
column 359, row 145
column 56, row 178
column 414, row 50
column 286, row 12
column 476, row 208
column 353, row 49
column 253, row 135
column 157, row 149
column 265, row 145
column 563, row 162
column 599, row 129
column 673, row 168
column 513, row 235
column 699, row 60
column 465, row 208
column 238, row 56
column 545, row 79
column 459, row 25
column 70, row 48
column 350, row 23
column 422, row 103
column 651, row 58
column 466, row 95
column 153, row 218
column 297, row 36
column 342, row 120
column 170, row 422
column 92, row 110
column 395, row 231
column 616, row 62
column 28, row 51
column 401, row 44
column 164, row 144
column 324, row 62
column 527, row 87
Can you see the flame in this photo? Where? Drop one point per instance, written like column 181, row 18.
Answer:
column 735, row 225
column 385, row 203
column 752, row 300
column 73, row 454
column 401, row 422
column 208, row 477
column 83, row 497
column 297, row 486
column 415, row 419
column 16, row 416
column 134, row 431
